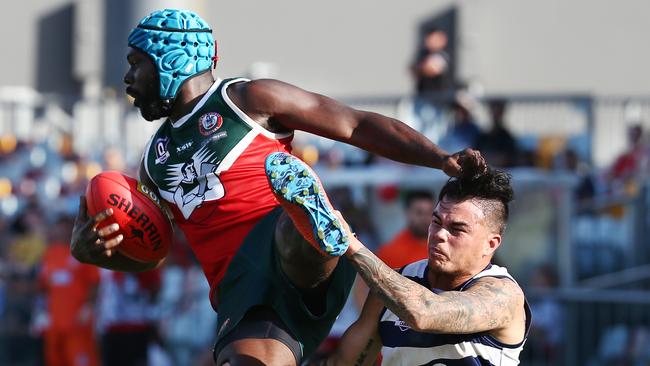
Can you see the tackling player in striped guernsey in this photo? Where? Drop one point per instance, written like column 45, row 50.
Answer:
column 454, row 308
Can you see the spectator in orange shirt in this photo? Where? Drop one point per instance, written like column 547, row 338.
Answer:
column 70, row 287
column 410, row 244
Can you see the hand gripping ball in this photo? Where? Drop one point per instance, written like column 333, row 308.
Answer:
column 146, row 228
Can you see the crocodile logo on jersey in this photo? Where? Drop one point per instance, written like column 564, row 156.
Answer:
column 195, row 181
column 209, row 123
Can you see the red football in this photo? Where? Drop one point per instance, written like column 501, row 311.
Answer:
column 147, row 230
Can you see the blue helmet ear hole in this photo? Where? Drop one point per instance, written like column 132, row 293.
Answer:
column 195, row 57
column 166, row 42
column 196, row 44
column 183, row 44
column 164, row 23
column 175, row 74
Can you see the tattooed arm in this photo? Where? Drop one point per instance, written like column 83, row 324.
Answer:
column 360, row 344
column 490, row 304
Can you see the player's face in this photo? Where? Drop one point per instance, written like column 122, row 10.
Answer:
column 143, row 85
column 459, row 238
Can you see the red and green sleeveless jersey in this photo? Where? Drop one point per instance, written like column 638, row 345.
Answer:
column 209, row 167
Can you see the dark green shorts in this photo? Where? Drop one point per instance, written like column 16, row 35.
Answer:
column 254, row 277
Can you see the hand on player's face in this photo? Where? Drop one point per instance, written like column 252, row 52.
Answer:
column 89, row 242
column 467, row 161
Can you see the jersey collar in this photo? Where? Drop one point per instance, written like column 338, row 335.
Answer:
column 178, row 123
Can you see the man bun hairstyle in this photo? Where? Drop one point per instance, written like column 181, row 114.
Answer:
column 492, row 191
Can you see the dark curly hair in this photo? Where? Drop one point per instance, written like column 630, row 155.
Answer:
column 491, row 189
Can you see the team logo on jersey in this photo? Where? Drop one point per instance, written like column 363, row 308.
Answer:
column 209, row 123
column 161, row 150
column 194, row 181
column 402, row 325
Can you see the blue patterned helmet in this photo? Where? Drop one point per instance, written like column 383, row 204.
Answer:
column 179, row 42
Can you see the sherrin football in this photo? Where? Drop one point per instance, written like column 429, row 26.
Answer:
column 146, row 228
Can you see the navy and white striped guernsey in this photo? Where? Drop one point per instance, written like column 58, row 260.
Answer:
column 404, row 346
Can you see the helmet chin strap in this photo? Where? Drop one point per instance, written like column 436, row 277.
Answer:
column 215, row 58
column 166, row 106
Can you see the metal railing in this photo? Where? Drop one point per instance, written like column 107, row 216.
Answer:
column 593, row 125
column 588, row 327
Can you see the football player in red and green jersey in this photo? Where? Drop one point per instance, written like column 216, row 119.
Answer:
column 257, row 219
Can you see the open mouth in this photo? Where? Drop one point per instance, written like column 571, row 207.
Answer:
column 131, row 96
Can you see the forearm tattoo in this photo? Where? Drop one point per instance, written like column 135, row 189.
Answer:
column 490, row 304
column 364, row 353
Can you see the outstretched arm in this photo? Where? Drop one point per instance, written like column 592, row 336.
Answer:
column 490, row 304
column 285, row 106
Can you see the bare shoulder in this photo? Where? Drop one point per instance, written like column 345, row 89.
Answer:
column 262, row 98
column 261, row 90
column 267, row 85
column 504, row 301
column 256, row 98
column 498, row 287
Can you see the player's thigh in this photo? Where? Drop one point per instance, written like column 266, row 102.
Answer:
column 305, row 266
column 254, row 352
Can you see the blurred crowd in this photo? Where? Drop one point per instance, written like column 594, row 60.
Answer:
column 56, row 311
